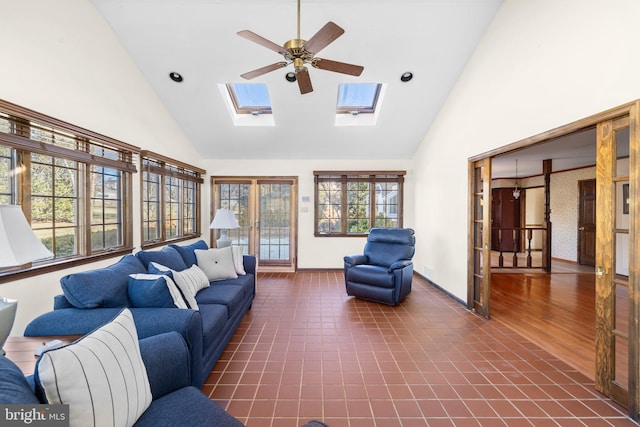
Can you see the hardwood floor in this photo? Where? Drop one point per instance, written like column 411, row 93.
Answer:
column 555, row 311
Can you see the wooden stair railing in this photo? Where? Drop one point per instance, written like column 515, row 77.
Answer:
column 516, row 233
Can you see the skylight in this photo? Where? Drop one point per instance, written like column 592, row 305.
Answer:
column 250, row 98
column 356, row 98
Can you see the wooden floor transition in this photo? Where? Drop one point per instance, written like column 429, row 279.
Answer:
column 555, row 311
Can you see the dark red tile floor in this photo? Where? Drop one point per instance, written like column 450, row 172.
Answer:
column 308, row 351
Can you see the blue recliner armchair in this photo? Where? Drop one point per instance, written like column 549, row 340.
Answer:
column 383, row 273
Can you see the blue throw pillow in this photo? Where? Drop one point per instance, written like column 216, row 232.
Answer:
column 188, row 252
column 102, row 287
column 154, row 290
column 167, row 256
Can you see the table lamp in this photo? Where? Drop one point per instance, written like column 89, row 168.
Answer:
column 224, row 220
column 19, row 246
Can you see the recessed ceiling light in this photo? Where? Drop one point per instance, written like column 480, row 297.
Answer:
column 176, row 77
column 405, row 77
column 291, row 77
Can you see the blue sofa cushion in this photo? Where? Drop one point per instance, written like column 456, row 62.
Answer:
column 231, row 296
column 246, row 282
column 14, row 388
column 371, row 274
column 167, row 256
column 103, row 287
column 186, row 407
column 187, row 252
column 214, row 320
column 154, row 290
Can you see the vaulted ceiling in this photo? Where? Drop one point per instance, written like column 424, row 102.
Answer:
column 433, row 39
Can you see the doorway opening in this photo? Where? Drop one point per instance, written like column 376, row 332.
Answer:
column 603, row 298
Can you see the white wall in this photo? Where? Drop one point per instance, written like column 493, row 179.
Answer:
column 541, row 64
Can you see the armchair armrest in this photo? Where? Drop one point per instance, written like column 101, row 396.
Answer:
column 166, row 358
column 400, row 264
column 356, row 259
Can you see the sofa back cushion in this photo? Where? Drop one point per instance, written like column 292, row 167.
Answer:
column 167, row 256
column 188, row 251
column 102, row 287
column 14, row 388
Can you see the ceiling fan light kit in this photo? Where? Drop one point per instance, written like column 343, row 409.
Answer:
column 300, row 52
column 291, row 77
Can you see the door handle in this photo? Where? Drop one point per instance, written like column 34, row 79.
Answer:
column 580, row 228
column 599, row 271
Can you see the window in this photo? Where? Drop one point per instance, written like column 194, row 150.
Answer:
column 250, row 98
column 351, row 203
column 54, row 204
column 170, row 199
column 72, row 184
column 356, row 98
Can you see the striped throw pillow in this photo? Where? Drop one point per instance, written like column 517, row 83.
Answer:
column 101, row 376
column 189, row 281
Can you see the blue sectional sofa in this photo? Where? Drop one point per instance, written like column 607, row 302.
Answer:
column 175, row 401
column 92, row 298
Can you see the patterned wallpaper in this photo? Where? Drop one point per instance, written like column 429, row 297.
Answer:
column 564, row 212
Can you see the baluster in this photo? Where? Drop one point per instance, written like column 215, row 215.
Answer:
column 515, row 248
column 529, row 237
column 500, row 257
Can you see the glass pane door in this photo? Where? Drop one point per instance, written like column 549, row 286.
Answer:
column 613, row 303
column 275, row 223
column 265, row 209
column 235, row 196
column 479, row 270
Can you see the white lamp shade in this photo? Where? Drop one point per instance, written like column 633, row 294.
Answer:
column 18, row 244
column 224, row 219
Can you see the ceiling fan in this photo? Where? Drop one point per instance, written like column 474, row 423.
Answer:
column 300, row 52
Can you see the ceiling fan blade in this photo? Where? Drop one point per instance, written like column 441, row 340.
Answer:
column 337, row 67
column 264, row 70
column 250, row 35
column 323, row 37
column 304, row 80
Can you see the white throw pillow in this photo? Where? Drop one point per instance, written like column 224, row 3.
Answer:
column 217, row 264
column 190, row 282
column 238, row 260
column 101, row 376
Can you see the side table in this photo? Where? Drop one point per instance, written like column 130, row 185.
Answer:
column 20, row 350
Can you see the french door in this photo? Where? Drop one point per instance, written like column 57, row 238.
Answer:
column 617, row 259
column 617, row 253
column 479, row 268
column 265, row 208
